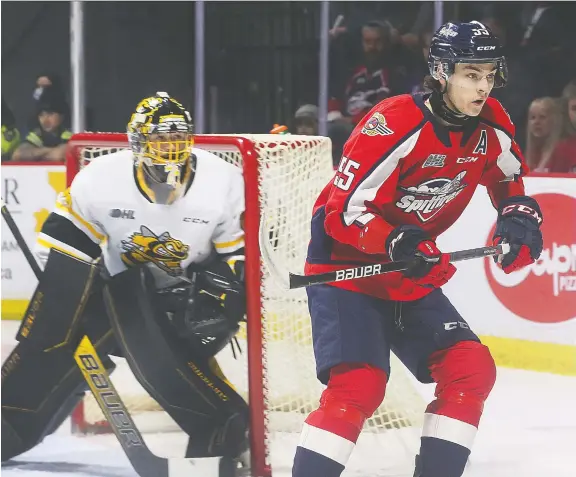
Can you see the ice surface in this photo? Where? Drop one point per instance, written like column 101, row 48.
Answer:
column 528, row 430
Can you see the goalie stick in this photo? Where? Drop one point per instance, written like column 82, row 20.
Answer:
column 291, row 281
column 144, row 462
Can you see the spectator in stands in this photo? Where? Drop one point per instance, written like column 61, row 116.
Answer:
column 425, row 38
column 10, row 134
column 45, row 80
column 547, row 45
column 544, row 131
column 48, row 80
column 47, row 141
column 564, row 156
column 381, row 73
column 306, row 120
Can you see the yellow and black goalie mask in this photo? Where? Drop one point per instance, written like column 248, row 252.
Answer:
column 160, row 132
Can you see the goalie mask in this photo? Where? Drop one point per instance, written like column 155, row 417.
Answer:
column 161, row 137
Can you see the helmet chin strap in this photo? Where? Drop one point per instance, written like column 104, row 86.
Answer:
column 444, row 112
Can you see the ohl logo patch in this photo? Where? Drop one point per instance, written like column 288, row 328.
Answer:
column 164, row 251
column 429, row 197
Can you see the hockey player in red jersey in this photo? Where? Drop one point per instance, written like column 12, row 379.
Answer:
column 407, row 173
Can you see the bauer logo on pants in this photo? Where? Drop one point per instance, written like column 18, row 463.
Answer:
column 544, row 292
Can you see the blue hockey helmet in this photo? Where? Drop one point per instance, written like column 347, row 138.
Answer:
column 465, row 43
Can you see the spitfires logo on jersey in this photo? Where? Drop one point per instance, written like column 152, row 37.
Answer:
column 376, row 125
column 428, row 198
column 163, row 250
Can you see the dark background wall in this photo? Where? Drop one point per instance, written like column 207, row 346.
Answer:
column 261, row 58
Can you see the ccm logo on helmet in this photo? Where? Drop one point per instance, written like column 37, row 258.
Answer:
column 486, row 48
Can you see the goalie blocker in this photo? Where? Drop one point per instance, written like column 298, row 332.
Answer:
column 168, row 337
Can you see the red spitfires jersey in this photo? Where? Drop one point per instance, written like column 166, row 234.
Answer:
column 401, row 166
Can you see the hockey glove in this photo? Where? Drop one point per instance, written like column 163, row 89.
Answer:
column 519, row 220
column 430, row 267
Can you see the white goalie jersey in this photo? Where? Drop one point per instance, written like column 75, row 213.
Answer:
column 105, row 211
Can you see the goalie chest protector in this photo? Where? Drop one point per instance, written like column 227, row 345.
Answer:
column 108, row 205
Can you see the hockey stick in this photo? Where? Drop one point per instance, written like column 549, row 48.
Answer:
column 144, row 462
column 291, row 281
column 299, row 281
column 20, row 241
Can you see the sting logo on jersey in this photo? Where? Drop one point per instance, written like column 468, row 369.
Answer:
column 376, row 125
column 428, row 198
column 162, row 250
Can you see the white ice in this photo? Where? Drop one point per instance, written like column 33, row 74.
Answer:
column 528, row 430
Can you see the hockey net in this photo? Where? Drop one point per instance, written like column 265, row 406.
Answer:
column 276, row 374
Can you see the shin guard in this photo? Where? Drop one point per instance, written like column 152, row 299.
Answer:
column 329, row 434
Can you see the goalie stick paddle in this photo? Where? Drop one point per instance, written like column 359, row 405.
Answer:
column 300, row 281
column 144, row 462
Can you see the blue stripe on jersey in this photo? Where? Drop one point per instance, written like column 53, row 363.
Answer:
column 320, row 246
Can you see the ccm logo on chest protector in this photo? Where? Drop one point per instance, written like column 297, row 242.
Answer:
column 195, row 220
column 122, row 213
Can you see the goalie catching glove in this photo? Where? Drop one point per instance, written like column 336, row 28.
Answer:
column 208, row 311
column 518, row 224
column 430, row 267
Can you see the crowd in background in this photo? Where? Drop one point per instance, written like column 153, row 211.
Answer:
column 375, row 58
column 378, row 51
column 47, row 124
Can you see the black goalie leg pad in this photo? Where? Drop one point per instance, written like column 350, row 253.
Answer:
column 41, row 383
column 203, row 404
column 38, row 393
column 54, row 315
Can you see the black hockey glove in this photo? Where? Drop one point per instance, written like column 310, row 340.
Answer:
column 518, row 224
column 431, row 267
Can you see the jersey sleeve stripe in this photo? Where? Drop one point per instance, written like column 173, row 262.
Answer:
column 227, row 247
column 364, row 219
column 47, row 242
column 367, row 189
column 81, row 223
column 508, row 163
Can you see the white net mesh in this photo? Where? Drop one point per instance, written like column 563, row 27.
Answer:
column 293, row 170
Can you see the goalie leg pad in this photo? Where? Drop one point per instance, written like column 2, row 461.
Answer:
column 53, row 317
column 40, row 389
column 205, row 406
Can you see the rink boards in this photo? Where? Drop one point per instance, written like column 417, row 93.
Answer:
column 528, row 319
